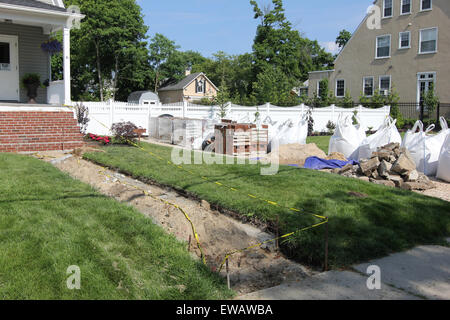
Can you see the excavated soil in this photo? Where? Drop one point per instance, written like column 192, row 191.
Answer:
column 219, row 234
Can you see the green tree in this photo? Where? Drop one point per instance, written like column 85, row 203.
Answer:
column 343, row 38
column 274, row 86
column 163, row 56
column 109, row 51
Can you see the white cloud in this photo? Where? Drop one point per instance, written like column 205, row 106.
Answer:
column 330, row 46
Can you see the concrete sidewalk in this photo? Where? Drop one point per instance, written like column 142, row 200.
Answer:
column 420, row 273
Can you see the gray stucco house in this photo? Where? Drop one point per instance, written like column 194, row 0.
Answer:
column 409, row 49
column 24, row 26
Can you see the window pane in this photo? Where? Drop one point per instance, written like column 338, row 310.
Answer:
column 406, row 7
column 428, row 35
column 429, row 40
column 388, row 8
column 383, row 52
column 404, row 39
column 340, row 88
column 368, row 86
column 428, row 46
column 4, row 53
column 385, row 83
column 426, row 4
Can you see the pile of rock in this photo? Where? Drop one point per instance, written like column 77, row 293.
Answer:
column 390, row 166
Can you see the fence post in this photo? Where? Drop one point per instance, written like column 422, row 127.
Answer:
column 421, row 110
column 111, row 111
column 438, row 111
column 268, row 110
column 184, row 108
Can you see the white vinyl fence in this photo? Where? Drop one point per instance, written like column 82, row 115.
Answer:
column 103, row 115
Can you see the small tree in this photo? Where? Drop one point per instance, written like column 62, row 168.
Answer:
column 431, row 100
column 222, row 98
column 82, row 113
column 347, row 101
column 310, row 121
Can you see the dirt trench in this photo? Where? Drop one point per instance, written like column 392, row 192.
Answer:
column 250, row 271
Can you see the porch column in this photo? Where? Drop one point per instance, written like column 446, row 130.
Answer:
column 66, row 62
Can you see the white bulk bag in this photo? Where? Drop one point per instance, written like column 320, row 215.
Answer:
column 386, row 134
column 347, row 137
column 425, row 148
column 443, row 171
column 290, row 132
column 272, row 128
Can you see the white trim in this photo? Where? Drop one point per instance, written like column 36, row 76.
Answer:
column 19, row 107
column 336, row 87
column 390, row 82
column 320, row 71
column 364, row 86
column 420, row 40
column 400, row 40
column 384, row 9
column 39, row 10
column 425, row 10
column 390, row 46
column 401, row 8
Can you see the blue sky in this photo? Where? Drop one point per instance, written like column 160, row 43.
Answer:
column 208, row 26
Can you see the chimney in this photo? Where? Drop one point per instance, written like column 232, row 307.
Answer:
column 188, row 71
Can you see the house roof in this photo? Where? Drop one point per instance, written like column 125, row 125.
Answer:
column 33, row 4
column 185, row 82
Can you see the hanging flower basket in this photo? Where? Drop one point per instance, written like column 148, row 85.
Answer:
column 52, row 46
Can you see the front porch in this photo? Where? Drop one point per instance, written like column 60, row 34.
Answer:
column 23, row 30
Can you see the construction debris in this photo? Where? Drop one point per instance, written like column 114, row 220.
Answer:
column 391, row 166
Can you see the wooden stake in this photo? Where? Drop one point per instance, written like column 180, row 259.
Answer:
column 189, row 246
column 326, row 247
column 277, row 243
column 228, row 275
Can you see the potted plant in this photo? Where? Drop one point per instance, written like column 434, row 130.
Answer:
column 31, row 82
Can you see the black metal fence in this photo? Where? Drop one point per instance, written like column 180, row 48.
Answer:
column 409, row 110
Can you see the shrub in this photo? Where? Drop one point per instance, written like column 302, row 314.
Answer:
column 124, row 132
column 331, row 127
column 82, row 114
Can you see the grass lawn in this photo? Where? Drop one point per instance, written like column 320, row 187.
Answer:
column 387, row 220
column 49, row 221
column 322, row 142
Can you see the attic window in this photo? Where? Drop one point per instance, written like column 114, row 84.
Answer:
column 200, row 86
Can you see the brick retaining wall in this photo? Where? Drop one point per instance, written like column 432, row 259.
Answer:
column 23, row 131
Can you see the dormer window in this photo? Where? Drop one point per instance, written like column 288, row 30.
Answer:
column 426, row 5
column 406, row 6
column 387, row 9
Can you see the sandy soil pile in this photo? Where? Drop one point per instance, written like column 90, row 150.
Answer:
column 296, row 154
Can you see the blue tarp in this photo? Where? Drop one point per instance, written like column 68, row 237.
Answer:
column 316, row 163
